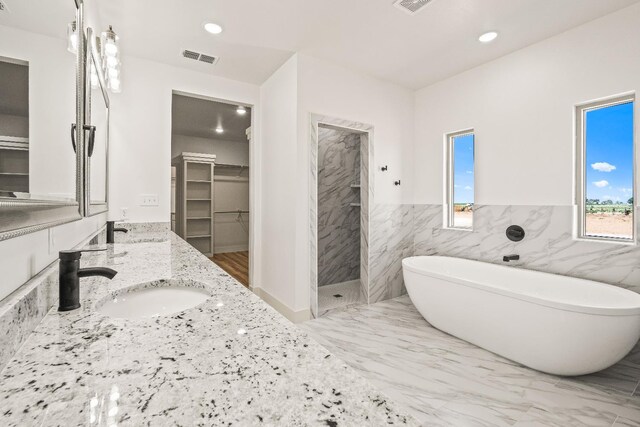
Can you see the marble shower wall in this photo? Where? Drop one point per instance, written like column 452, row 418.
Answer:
column 338, row 220
column 548, row 245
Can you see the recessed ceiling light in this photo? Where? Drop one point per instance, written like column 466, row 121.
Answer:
column 241, row 110
column 488, row 37
column 219, row 129
column 212, row 28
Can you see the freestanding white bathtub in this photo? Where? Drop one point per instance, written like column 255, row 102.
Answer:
column 555, row 324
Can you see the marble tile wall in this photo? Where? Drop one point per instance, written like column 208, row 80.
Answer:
column 548, row 245
column 338, row 220
column 391, row 240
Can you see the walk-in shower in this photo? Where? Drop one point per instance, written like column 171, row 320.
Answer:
column 341, row 193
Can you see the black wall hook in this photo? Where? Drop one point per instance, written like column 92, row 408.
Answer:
column 396, row 183
column 384, row 168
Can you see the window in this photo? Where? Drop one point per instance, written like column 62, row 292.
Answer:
column 605, row 181
column 460, row 179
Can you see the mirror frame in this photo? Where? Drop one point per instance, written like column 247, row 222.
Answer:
column 25, row 215
column 92, row 54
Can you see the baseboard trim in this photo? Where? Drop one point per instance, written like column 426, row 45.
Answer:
column 294, row 316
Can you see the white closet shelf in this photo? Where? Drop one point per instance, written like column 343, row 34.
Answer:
column 14, row 173
column 200, row 236
column 198, row 218
column 198, row 200
column 199, row 180
column 355, row 186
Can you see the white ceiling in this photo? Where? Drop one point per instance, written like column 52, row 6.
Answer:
column 199, row 117
column 371, row 36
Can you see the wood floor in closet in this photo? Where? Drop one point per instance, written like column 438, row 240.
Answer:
column 236, row 264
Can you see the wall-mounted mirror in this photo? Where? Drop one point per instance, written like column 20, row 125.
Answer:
column 37, row 109
column 97, row 124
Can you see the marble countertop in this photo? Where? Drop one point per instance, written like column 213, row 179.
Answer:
column 230, row 361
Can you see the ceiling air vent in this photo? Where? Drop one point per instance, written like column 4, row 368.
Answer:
column 411, row 6
column 197, row 56
column 208, row 59
column 3, row 6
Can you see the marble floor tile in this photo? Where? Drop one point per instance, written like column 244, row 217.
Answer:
column 350, row 294
column 442, row 380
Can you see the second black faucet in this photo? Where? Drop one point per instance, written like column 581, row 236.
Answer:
column 111, row 229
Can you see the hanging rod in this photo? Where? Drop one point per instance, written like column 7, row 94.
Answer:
column 229, row 165
column 230, row 212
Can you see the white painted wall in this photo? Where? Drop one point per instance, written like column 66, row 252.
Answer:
column 331, row 90
column 306, row 85
column 231, row 152
column 278, row 115
column 140, row 145
column 521, row 107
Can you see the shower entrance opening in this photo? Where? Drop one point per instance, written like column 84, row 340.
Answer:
column 341, row 193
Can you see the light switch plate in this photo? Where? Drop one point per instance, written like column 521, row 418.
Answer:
column 148, row 200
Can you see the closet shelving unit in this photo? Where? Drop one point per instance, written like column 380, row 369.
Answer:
column 14, row 164
column 194, row 199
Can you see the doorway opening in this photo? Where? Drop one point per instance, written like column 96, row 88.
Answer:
column 210, row 151
column 340, row 195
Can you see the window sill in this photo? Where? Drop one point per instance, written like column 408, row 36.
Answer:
column 606, row 241
column 458, row 229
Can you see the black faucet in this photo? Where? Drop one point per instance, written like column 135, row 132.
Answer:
column 69, row 276
column 508, row 258
column 111, row 228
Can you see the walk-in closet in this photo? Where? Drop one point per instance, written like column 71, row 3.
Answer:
column 210, row 145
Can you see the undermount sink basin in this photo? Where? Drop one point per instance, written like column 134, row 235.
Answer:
column 153, row 299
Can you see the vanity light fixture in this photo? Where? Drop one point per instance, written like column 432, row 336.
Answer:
column 72, row 37
column 110, row 42
column 241, row 110
column 219, row 129
column 111, row 59
column 212, row 28
column 488, row 37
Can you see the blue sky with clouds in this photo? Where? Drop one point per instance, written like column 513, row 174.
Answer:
column 609, row 153
column 463, row 187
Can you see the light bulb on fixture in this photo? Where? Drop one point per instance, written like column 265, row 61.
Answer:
column 72, row 37
column 95, row 82
column 110, row 42
column 241, row 110
column 112, row 61
column 488, row 37
column 114, row 85
column 219, row 129
column 114, row 73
